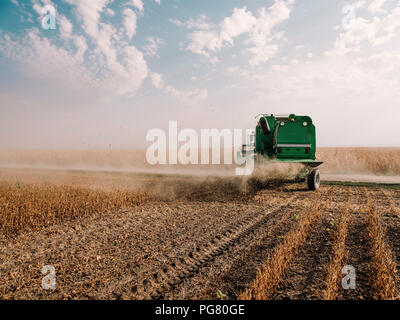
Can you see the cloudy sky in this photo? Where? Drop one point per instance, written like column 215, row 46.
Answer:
column 112, row 70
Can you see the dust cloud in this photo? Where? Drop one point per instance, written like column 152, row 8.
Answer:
column 128, row 169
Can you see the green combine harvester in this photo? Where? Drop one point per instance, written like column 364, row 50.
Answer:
column 289, row 139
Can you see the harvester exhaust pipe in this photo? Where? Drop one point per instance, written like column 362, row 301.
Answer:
column 264, row 126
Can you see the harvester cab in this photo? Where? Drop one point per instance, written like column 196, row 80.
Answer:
column 291, row 139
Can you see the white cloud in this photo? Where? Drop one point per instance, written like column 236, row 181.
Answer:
column 360, row 4
column 200, row 23
column 385, row 62
column 81, row 45
column 376, row 6
column 110, row 12
column 126, row 66
column 158, row 1
column 157, row 80
column 201, row 42
column 38, row 5
column 262, row 53
column 66, row 32
column 130, row 22
column 89, row 11
column 112, row 65
column 326, row 79
column 210, row 39
column 138, row 4
column 176, row 22
column 152, row 46
column 192, row 97
column 241, row 21
column 362, row 85
column 40, row 59
column 65, row 26
column 262, row 36
column 37, row 8
column 134, row 73
column 375, row 31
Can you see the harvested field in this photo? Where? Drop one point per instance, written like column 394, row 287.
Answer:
column 182, row 237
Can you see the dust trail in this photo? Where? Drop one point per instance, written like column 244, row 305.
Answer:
column 175, row 170
column 371, row 161
column 217, row 188
column 121, row 169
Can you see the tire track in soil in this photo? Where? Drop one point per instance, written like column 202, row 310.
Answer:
column 84, row 254
column 100, row 252
column 191, row 267
column 177, row 271
column 359, row 248
column 243, row 270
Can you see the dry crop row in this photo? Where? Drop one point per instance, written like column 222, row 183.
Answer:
column 271, row 274
column 337, row 259
column 27, row 207
column 383, row 268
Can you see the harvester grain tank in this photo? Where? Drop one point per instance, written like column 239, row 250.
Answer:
column 290, row 139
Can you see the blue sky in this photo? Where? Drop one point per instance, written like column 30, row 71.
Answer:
column 112, row 70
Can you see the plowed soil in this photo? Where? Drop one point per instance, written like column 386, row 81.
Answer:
column 201, row 245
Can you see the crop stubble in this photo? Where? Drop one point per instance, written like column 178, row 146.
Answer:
column 191, row 246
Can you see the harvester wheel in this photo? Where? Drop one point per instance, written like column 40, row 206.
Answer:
column 313, row 180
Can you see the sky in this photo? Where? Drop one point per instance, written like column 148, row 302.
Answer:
column 112, row 70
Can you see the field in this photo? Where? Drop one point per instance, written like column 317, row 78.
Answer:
column 377, row 161
column 134, row 235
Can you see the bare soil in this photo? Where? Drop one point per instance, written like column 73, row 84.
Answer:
column 194, row 238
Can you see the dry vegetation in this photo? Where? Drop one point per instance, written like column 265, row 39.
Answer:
column 395, row 210
column 134, row 236
column 213, row 236
column 384, row 278
column 270, row 275
column 27, row 207
column 337, row 259
column 71, row 158
column 378, row 161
